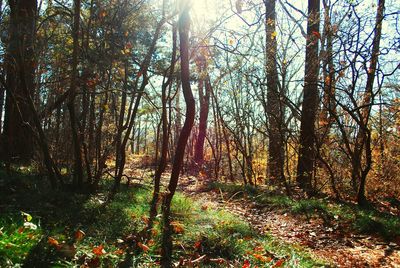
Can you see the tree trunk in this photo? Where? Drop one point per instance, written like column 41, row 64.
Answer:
column 78, row 168
column 165, row 135
column 306, row 157
column 17, row 138
column 204, row 97
column 275, row 114
column 364, row 135
column 184, row 25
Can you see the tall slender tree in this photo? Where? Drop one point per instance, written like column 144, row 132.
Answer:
column 78, row 168
column 184, row 26
column 204, row 98
column 306, row 158
column 274, row 107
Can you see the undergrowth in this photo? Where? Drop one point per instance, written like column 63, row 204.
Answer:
column 73, row 229
column 361, row 220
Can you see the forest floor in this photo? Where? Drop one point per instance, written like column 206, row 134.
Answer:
column 340, row 234
column 215, row 225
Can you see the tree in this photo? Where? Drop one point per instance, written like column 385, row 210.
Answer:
column 18, row 145
column 204, row 98
column 274, row 106
column 306, row 158
column 184, row 26
column 78, row 162
column 363, row 139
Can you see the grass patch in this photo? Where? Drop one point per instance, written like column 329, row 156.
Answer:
column 362, row 220
column 59, row 216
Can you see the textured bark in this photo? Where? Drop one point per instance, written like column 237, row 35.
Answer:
column 18, row 121
column 184, row 25
column 275, row 113
column 78, row 168
column 204, row 97
column 306, row 159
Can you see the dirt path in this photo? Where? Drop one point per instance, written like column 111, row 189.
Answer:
column 331, row 244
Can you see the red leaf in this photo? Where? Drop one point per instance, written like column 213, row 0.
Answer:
column 197, row 244
column 279, row 263
column 246, row 264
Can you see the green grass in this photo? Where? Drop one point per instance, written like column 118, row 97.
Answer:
column 59, row 215
column 361, row 220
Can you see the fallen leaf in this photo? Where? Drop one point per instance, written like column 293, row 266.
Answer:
column 197, row 244
column 246, row 264
column 53, row 242
column 119, row 252
column 79, row 235
column 145, row 219
column 178, row 227
column 143, row 247
column 262, row 258
column 99, row 250
column 279, row 263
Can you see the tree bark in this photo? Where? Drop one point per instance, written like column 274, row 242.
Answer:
column 275, row 113
column 18, row 145
column 204, row 97
column 78, row 168
column 184, row 25
column 364, row 134
column 306, row 158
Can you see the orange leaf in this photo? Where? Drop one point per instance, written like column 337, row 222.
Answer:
column 154, row 232
column 119, row 252
column 79, row 235
column 99, row 250
column 178, row 227
column 145, row 219
column 53, row 242
column 143, row 247
column 262, row 258
column 258, row 249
